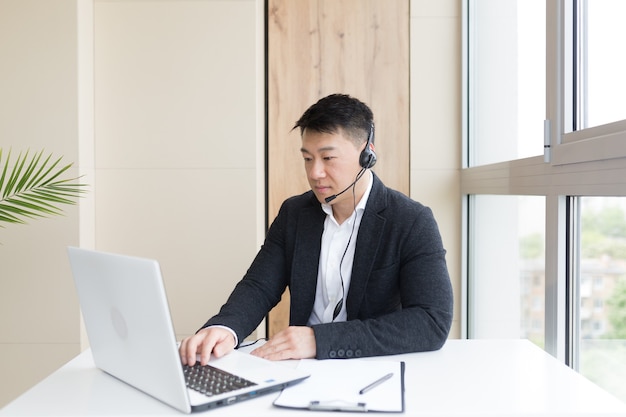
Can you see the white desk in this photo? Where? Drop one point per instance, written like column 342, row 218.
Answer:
column 466, row 377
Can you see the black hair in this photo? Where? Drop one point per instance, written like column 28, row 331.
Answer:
column 335, row 112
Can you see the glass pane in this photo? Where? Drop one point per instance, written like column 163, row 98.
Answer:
column 603, row 62
column 602, row 292
column 506, row 79
column 507, row 277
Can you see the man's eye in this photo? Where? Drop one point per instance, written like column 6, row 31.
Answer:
column 307, row 159
column 328, row 158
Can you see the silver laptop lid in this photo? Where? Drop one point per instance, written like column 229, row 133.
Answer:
column 131, row 335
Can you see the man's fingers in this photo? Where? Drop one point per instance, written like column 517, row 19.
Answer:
column 206, row 348
column 191, row 346
column 216, row 341
column 211, row 340
column 294, row 342
column 191, row 349
column 266, row 350
column 223, row 347
column 185, row 358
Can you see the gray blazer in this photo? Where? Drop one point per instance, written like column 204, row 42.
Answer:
column 400, row 296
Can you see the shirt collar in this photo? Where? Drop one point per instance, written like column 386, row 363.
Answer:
column 328, row 209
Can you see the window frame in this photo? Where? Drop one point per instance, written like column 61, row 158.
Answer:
column 586, row 162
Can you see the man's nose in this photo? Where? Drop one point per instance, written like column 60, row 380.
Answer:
column 317, row 170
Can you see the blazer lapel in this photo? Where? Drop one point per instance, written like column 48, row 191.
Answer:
column 368, row 241
column 305, row 263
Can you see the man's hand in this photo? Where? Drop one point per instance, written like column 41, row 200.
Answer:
column 295, row 342
column 211, row 340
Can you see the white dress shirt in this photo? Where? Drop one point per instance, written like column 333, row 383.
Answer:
column 336, row 259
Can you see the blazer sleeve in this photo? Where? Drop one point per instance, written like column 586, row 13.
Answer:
column 262, row 286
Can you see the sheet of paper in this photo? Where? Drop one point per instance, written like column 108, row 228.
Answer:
column 337, row 382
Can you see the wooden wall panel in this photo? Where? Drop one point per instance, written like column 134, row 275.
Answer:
column 320, row 47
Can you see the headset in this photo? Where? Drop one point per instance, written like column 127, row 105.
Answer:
column 367, row 159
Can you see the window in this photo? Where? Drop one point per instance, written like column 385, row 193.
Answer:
column 600, row 319
column 601, row 67
column 507, row 253
column 546, row 250
column 507, row 69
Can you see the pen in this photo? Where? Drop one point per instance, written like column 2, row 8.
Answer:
column 376, row 383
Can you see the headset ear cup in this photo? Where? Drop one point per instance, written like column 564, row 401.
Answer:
column 367, row 159
column 372, row 159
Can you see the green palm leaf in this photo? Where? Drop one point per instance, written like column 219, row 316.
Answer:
column 34, row 188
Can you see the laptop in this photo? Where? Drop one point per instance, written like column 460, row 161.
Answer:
column 131, row 335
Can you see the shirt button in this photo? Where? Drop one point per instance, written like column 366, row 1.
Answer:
column 341, row 353
column 349, row 353
column 358, row 353
column 332, row 354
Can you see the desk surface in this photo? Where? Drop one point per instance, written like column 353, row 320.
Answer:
column 465, row 377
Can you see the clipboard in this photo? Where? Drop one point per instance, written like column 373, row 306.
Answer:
column 350, row 385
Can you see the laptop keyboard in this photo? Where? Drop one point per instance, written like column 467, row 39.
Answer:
column 211, row 381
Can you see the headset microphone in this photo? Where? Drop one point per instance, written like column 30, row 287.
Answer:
column 358, row 177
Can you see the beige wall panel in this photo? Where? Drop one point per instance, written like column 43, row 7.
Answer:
column 203, row 238
column 436, row 126
column 439, row 190
column 175, row 84
column 176, row 133
column 435, row 97
column 25, row 368
column 38, row 76
column 319, row 47
column 38, row 101
column 36, row 286
column 435, row 8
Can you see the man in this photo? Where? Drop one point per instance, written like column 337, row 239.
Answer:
column 365, row 264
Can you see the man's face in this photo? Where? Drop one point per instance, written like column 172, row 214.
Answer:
column 331, row 162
